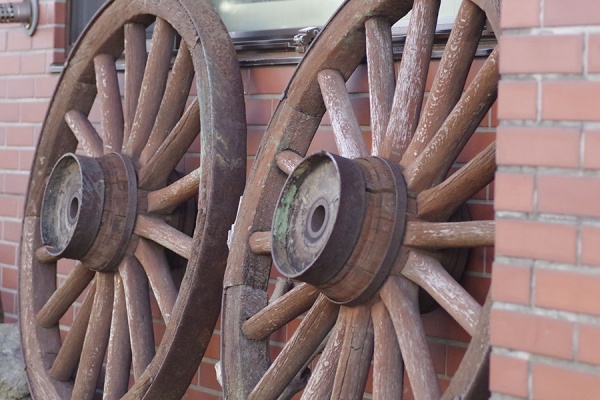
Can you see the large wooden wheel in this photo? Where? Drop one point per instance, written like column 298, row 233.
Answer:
column 369, row 229
column 109, row 197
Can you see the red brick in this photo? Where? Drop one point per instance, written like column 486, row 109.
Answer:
column 34, row 111
column 15, row 183
column 19, row 136
column 9, row 303
column 525, row 108
column 455, row 357
column 269, row 80
column 52, row 13
column 589, row 337
column 8, row 206
column 569, row 291
column 536, row 240
column 49, row 38
column 2, row 40
column 520, row 14
column 439, row 324
column 568, row 13
column 591, row 150
column 43, row 87
column 509, row 375
column 568, row 195
column 11, row 231
column 478, row 142
column 9, row 159
column 17, row 39
column 590, row 251
column 593, row 53
column 544, row 147
column 541, row 54
column 208, row 376
column 323, row 140
column 11, row 64
column 9, row 112
column 19, row 88
column 258, row 111
column 559, row 383
column 10, row 277
column 358, row 81
column 33, row 63
column 8, row 253
column 515, row 192
column 511, row 284
column 476, row 286
column 571, row 100
column 535, row 334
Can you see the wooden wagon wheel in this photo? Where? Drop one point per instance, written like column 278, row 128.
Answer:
column 364, row 230
column 119, row 208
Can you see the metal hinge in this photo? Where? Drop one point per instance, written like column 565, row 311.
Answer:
column 304, row 38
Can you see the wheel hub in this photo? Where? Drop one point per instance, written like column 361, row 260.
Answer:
column 89, row 209
column 339, row 224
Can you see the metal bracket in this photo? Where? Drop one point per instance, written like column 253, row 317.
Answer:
column 304, row 38
column 26, row 12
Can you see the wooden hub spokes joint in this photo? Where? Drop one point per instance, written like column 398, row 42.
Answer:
column 327, row 207
column 89, row 209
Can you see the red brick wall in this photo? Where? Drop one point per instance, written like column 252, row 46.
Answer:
column 545, row 325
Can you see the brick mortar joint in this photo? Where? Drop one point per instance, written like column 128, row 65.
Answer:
column 557, row 315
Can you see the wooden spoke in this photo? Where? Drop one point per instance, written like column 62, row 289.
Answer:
column 321, row 383
column 139, row 315
column 429, row 273
column 260, row 242
column 64, row 296
column 387, row 360
column 180, row 191
column 401, row 300
column 110, row 102
column 118, row 361
column 297, row 351
column 440, row 235
column 173, row 102
column 135, row 64
column 85, row 133
column 66, row 361
column 287, row 160
column 153, row 87
column 382, row 76
column 96, row 339
column 412, row 75
column 433, row 164
column 159, row 231
column 154, row 261
column 282, row 286
column 441, row 201
column 153, row 174
column 357, row 350
column 280, row 312
column 348, row 136
column 450, row 77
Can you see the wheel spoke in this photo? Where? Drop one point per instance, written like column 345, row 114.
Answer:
column 154, row 261
column 441, row 201
column 440, row 235
column 287, row 160
column 321, row 383
column 139, row 315
column 408, row 99
column 66, row 361
column 153, row 174
column 60, row 301
column 260, row 242
column 387, row 360
column 96, row 339
column 85, row 133
column 280, row 312
column 429, row 273
column 401, row 300
column 382, row 77
column 348, row 136
column 118, row 361
column 180, row 191
column 153, row 87
column 433, row 164
column 173, row 102
column 357, row 350
column 492, row 12
column 312, row 330
column 450, row 77
column 135, row 64
column 112, row 110
column 164, row 234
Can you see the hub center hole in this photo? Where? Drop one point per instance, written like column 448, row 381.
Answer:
column 73, row 209
column 317, row 219
column 316, row 222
